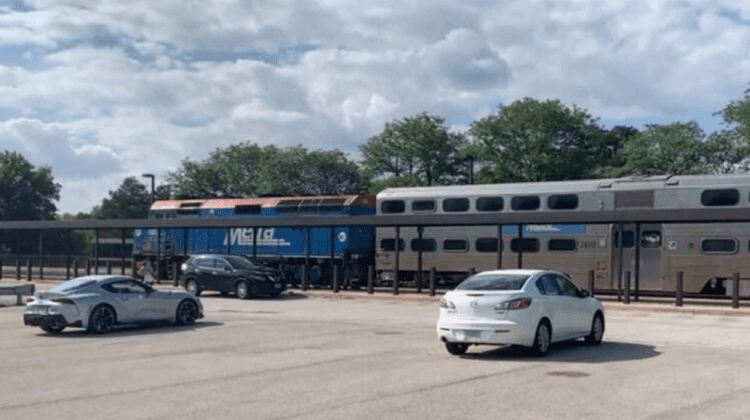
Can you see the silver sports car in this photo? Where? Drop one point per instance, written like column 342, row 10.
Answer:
column 98, row 303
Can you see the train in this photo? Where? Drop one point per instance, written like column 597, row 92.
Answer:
column 348, row 248
column 651, row 254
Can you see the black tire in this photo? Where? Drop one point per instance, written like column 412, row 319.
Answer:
column 242, row 289
column 187, row 312
column 102, row 319
column 597, row 330
column 542, row 339
column 456, row 349
column 53, row 328
column 191, row 285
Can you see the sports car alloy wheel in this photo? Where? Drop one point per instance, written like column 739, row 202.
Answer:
column 187, row 312
column 102, row 319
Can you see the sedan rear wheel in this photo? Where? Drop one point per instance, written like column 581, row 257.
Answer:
column 456, row 349
column 102, row 319
column 242, row 290
column 597, row 330
column 542, row 339
column 187, row 312
column 192, row 287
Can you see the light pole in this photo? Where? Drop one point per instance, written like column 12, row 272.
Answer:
column 152, row 184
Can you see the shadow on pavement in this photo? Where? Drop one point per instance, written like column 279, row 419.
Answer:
column 135, row 330
column 570, row 351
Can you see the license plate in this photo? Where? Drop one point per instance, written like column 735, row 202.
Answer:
column 469, row 334
column 41, row 309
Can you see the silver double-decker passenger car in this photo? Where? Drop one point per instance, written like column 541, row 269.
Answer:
column 707, row 253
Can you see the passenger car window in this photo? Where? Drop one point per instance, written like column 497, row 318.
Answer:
column 547, row 286
column 223, row 265
column 567, row 288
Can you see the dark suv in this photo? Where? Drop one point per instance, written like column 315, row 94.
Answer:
column 230, row 273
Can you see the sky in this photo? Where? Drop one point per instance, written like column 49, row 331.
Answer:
column 101, row 90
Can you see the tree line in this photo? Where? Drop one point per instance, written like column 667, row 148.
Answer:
column 527, row 141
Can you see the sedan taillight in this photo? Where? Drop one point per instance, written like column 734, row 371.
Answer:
column 520, row 303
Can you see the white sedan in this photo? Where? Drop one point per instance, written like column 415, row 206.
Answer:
column 98, row 303
column 531, row 308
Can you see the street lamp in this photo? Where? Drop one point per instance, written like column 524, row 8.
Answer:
column 152, row 184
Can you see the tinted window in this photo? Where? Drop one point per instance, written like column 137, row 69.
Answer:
column 567, row 288
column 628, row 237
column 392, row 206
column 562, row 202
column 547, row 285
column 423, row 205
column 390, row 244
column 493, row 282
column 247, row 209
column 424, row 245
column 455, row 245
column 487, row 245
column 725, row 197
column 490, row 203
column 525, row 202
column 561, row 245
column 525, row 244
column 724, row 246
column 650, row 239
column 205, row 262
column 455, row 204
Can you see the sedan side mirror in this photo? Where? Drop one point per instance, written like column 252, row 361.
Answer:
column 227, row 268
column 584, row 293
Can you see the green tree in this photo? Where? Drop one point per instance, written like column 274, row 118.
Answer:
column 418, row 150
column 296, row 170
column 130, row 201
column 530, row 140
column 733, row 143
column 248, row 170
column 26, row 193
column 677, row 148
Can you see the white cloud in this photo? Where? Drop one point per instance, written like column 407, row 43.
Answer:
column 101, row 90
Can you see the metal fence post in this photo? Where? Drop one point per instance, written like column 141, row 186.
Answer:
column 18, row 269
column 28, row 270
column 736, row 291
column 335, row 273
column 1, row 269
column 591, row 282
column 176, row 270
column 627, row 287
column 109, row 267
column 370, row 279
column 75, row 268
column 678, row 292
column 432, row 281
column 67, row 268
column 88, row 267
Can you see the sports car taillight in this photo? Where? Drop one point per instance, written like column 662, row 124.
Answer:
column 64, row 301
column 520, row 303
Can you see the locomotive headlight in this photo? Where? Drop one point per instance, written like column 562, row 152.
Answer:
column 183, row 266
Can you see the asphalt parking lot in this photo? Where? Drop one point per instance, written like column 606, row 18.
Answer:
column 315, row 357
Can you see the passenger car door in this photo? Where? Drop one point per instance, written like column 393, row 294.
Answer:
column 575, row 307
column 203, row 271
column 555, row 306
column 223, row 276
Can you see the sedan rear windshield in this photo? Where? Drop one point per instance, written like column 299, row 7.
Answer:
column 493, row 282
